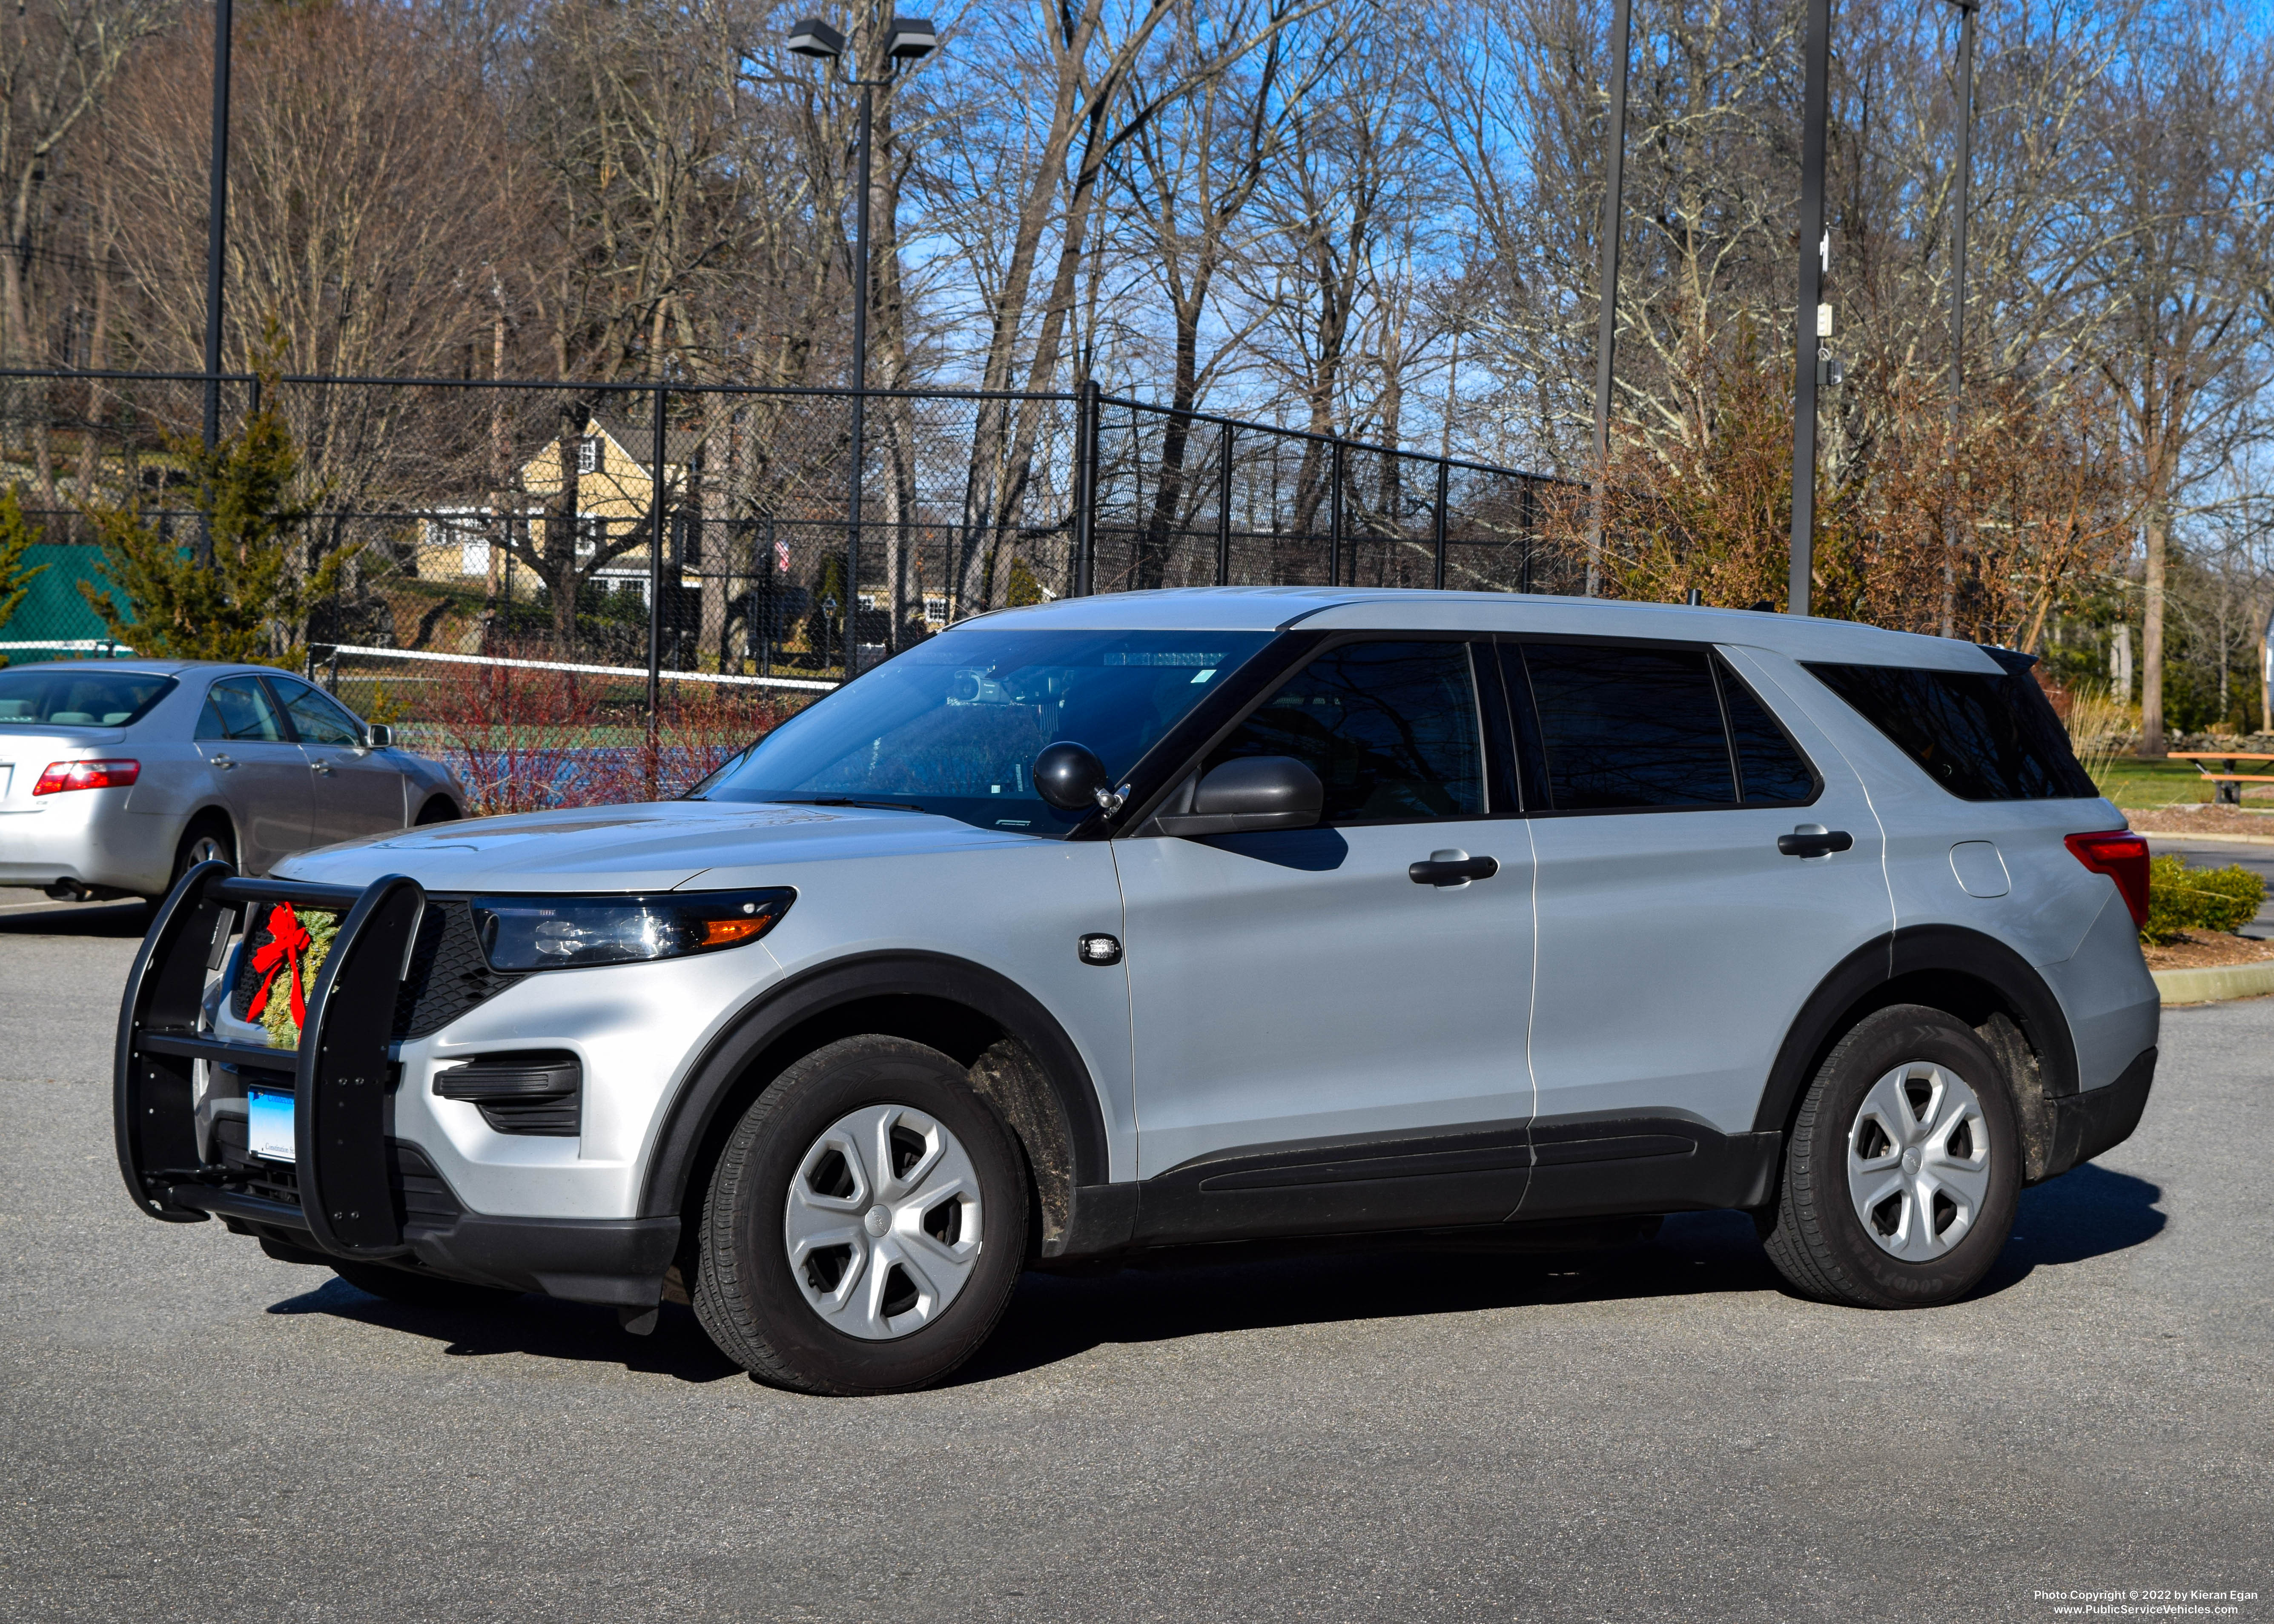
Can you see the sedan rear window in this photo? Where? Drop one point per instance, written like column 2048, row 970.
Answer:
column 91, row 698
column 1982, row 736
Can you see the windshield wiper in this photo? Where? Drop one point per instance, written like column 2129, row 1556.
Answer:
column 845, row 800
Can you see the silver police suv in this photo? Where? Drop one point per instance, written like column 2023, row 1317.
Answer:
column 1142, row 920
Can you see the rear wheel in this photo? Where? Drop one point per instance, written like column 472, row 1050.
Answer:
column 866, row 1223
column 419, row 1290
column 1903, row 1167
column 207, row 839
column 438, row 811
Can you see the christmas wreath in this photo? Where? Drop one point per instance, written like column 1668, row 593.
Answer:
column 300, row 947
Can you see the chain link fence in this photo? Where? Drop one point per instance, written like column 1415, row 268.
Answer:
column 579, row 593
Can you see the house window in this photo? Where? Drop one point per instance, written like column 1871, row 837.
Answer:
column 588, row 454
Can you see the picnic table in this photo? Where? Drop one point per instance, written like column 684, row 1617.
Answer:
column 2230, row 782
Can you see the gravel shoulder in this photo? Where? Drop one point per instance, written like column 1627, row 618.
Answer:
column 190, row 1431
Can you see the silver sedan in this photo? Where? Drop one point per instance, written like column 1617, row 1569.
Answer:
column 116, row 776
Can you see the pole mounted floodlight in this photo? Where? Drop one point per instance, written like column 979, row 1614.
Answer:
column 911, row 40
column 817, row 38
column 908, row 40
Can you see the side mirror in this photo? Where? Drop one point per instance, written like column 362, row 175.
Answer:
column 1071, row 778
column 1255, row 793
column 377, row 735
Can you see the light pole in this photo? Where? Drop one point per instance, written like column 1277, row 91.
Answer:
column 1966, row 10
column 1606, row 325
column 908, row 39
column 1812, row 320
column 216, row 240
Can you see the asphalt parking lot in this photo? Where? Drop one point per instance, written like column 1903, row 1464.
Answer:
column 189, row 1431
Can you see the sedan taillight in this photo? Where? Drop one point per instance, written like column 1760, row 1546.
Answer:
column 2123, row 857
column 61, row 776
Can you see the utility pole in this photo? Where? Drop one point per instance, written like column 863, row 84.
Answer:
column 1811, row 319
column 1966, row 9
column 908, row 39
column 1607, row 320
column 217, row 242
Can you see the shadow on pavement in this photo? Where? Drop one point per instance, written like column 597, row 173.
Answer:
column 2087, row 1213
column 542, row 1327
column 124, row 921
column 1243, row 1289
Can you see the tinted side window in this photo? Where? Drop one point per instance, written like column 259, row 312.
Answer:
column 238, row 708
column 1391, row 728
column 1770, row 771
column 315, row 719
column 1628, row 727
column 1982, row 737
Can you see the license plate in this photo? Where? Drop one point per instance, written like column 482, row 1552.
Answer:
column 268, row 1124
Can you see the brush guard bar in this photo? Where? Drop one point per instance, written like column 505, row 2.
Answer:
column 340, row 1070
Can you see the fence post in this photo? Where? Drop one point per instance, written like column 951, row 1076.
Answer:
column 1223, row 517
column 1531, row 495
column 655, row 539
column 1335, row 514
column 1085, row 493
column 1444, row 471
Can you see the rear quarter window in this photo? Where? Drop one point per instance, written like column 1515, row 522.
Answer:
column 1983, row 736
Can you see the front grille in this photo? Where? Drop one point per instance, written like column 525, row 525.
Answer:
column 423, row 1197
column 448, row 975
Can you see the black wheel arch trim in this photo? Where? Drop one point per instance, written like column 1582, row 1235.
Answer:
column 1878, row 966
column 692, row 1115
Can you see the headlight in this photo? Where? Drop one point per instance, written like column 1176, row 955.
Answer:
column 559, row 933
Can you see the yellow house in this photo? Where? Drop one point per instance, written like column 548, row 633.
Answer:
column 615, row 493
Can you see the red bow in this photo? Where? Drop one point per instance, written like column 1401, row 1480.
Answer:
column 286, row 939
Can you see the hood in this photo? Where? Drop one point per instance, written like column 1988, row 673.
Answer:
column 655, row 845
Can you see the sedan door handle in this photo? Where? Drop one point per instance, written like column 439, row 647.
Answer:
column 1814, row 840
column 1452, row 869
column 323, row 767
column 221, row 761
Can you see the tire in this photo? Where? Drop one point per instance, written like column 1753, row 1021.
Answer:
column 417, row 1290
column 208, row 837
column 1902, row 1168
column 437, row 810
column 867, row 1304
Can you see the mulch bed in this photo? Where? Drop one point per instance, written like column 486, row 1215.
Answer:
column 2202, row 820
column 2198, row 950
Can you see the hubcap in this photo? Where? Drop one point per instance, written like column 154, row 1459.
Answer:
column 1919, row 1162
column 883, row 1225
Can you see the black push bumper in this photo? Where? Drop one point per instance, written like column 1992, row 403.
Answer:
column 348, row 1196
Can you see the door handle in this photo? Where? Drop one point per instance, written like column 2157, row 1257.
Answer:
column 1814, row 840
column 221, row 761
column 1452, row 869
column 323, row 767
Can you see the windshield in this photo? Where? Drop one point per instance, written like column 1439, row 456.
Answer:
column 94, row 698
column 953, row 724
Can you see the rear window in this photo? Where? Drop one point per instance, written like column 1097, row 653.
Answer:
column 93, row 698
column 1981, row 736
column 1619, row 728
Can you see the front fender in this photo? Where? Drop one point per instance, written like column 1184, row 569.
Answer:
column 696, row 1113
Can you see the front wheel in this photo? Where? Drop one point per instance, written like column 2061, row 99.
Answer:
column 1903, row 1167
column 866, row 1224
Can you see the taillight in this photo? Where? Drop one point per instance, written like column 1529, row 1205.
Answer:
column 2123, row 857
column 61, row 776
